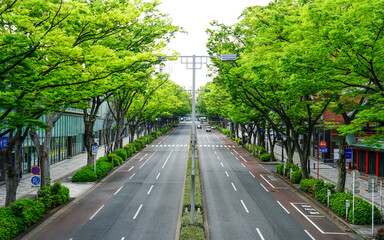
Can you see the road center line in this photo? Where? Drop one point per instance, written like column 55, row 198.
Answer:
column 227, row 173
column 281, row 205
column 132, row 176
column 130, row 169
column 118, row 190
column 137, row 212
column 222, row 164
column 261, row 235
column 233, row 185
column 252, row 174
column 167, row 159
column 150, row 190
column 96, row 212
column 158, row 175
column 245, row 207
column 309, row 234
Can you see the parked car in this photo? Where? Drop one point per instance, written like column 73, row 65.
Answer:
column 208, row 129
column 199, row 126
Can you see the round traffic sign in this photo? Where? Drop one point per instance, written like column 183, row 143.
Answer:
column 35, row 170
column 323, row 144
column 35, row 180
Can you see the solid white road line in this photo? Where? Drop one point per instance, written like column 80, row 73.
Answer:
column 118, row 190
column 150, row 190
column 267, row 181
column 158, row 175
column 227, row 173
column 96, row 213
column 245, row 207
column 261, row 235
column 309, row 234
column 222, row 164
column 130, row 169
column 252, row 174
column 137, row 212
column 132, row 176
column 233, row 185
column 281, row 205
column 167, row 159
column 264, row 187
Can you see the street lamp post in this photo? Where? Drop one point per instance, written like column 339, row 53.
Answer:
column 202, row 60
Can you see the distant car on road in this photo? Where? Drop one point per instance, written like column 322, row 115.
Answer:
column 199, row 126
column 208, row 129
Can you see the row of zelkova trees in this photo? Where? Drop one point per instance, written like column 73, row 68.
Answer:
column 56, row 54
column 298, row 59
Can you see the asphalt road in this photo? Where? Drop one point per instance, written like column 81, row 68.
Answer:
column 245, row 201
column 140, row 200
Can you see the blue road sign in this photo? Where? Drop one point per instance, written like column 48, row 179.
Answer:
column 3, row 142
column 348, row 153
column 35, row 180
column 323, row 150
column 94, row 148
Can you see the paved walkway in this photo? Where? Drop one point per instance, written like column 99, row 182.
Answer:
column 59, row 171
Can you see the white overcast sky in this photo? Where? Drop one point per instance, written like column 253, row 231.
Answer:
column 194, row 16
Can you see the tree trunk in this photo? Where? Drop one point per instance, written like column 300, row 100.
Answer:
column 12, row 165
column 89, row 139
column 341, row 165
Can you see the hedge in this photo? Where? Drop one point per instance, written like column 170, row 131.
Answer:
column 24, row 212
column 105, row 164
column 337, row 201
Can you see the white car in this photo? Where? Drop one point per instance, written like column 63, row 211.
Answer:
column 208, row 129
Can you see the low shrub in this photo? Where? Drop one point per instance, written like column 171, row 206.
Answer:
column 265, row 157
column 121, row 153
column 103, row 168
column 296, row 176
column 29, row 210
column 337, row 201
column 53, row 195
column 85, row 174
column 10, row 225
column 115, row 159
column 280, row 168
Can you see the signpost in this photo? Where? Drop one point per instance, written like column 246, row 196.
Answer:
column 372, row 187
column 348, row 155
column 94, row 153
column 3, row 142
column 355, row 187
column 35, row 180
column 322, row 147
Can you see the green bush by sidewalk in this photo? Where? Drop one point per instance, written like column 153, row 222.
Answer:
column 105, row 164
column 337, row 201
column 24, row 212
